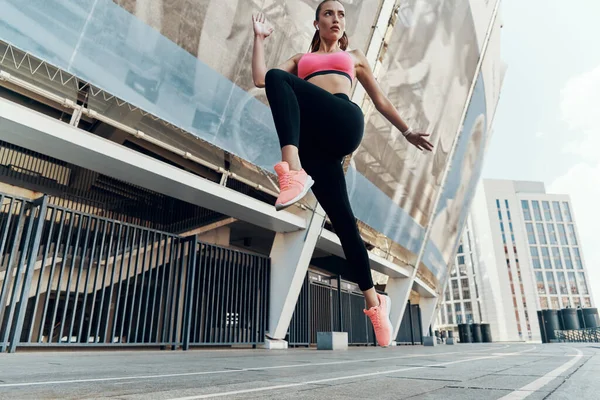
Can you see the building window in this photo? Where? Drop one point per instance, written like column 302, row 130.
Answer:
column 455, row 291
column 458, row 308
column 578, row 262
column 562, row 233
column 587, row 302
column 573, row 283
column 537, row 213
column 562, row 282
column 582, row 283
column 449, row 312
column 566, row 302
column 453, row 270
column 508, row 215
column 546, row 258
column 461, row 260
column 460, row 249
column 557, row 213
column 547, row 212
column 541, row 233
column 572, row 236
column 567, row 209
column 544, row 303
column 535, row 258
column 567, row 255
column 526, row 210
column 554, row 303
column 447, row 295
column 465, row 289
column 551, row 283
column 539, row 280
column 552, row 233
column 497, row 203
column 530, row 233
column 577, row 302
column 499, row 215
column 556, row 258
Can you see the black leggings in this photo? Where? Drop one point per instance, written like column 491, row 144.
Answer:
column 325, row 127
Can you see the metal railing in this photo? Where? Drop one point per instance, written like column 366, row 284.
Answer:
column 410, row 331
column 589, row 335
column 73, row 279
column 318, row 310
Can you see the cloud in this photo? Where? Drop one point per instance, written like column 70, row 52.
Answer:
column 579, row 107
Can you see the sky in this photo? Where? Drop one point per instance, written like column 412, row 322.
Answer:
column 545, row 127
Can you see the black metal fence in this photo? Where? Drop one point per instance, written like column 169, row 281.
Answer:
column 317, row 310
column 74, row 279
column 589, row 335
column 411, row 330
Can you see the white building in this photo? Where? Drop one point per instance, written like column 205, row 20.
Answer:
column 527, row 256
column 462, row 300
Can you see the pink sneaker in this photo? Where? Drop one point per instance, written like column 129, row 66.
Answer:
column 380, row 318
column 293, row 185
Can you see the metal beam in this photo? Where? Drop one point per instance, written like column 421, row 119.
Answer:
column 24, row 127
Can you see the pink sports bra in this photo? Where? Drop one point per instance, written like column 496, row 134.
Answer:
column 313, row 64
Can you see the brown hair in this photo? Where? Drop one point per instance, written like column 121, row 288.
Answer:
column 316, row 40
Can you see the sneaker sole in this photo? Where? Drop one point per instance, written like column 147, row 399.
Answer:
column 389, row 322
column 307, row 186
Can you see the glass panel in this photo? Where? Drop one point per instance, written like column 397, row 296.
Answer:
column 449, row 313
column 557, row 213
column 562, row 282
column 567, row 255
column 556, row 258
column 552, row 233
column 535, row 258
column 541, row 233
column 447, row 295
column 577, row 302
column 572, row 235
column 455, row 291
column 547, row 212
column 460, row 249
column 526, row 210
column 546, row 258
column 554, row 303
column 544, row 303
column 460, row 260
column 562, row 233
column 530, row 233
column 539, row 280
column 578, row 262
column 458, row 308
column 582, row 283
column 537, row 213
column 465, row 289
column 587, row 302
column 573, row 283
column 567, row 209
column 551, row 284
column 566, row 302
column 498, row 203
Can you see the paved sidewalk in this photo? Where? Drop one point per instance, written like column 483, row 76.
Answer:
column 482, row 371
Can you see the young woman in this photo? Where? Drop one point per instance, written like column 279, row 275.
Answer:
column 318, row 126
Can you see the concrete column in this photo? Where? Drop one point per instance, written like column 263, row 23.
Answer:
column 398, row 289
column 290, row 257
column 428, row 308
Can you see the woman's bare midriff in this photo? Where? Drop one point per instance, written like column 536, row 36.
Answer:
column 333, row 83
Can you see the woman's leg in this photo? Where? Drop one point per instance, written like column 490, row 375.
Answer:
column 331, row 192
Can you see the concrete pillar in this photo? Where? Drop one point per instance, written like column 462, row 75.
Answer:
column 290, row 257
column 398, row 289
column 428, row 308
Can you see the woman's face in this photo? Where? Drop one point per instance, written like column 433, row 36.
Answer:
column 332, row 20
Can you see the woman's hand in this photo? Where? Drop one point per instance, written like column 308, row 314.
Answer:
column 418, row 140
column 261, row 28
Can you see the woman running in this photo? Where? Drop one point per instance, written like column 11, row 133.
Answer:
column 318, row 126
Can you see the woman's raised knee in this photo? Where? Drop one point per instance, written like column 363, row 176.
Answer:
column 274, row 76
